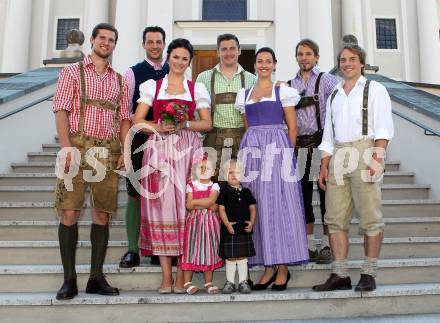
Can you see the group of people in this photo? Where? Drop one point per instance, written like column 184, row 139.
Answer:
column 246, row 205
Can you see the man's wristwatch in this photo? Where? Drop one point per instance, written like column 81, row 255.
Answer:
column 186, row 124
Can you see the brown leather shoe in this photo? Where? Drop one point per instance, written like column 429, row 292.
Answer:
column 334, row 282
column 367, row 283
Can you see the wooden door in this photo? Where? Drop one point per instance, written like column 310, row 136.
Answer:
column 206, row 59
column 203, row 60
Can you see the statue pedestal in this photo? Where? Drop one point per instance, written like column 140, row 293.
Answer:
column 61, row 62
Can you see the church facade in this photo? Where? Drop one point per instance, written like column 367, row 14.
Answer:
column 401, row 37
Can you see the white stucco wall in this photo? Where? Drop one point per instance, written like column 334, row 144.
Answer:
column 390, row 61
column 2, row 23
column 417, row 152
column 25, row 132
column 64, row 9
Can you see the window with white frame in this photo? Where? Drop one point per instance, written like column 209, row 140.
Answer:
column 64, row 25
column 386, row 33
column 224, row 10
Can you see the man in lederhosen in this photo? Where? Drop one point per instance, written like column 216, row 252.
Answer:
column 314, row 87
column 358, row 127
column 223, row 82
column 92, row 117
column 155, row 67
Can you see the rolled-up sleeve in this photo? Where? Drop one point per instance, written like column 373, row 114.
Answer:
column 124, row 113
column 130, row 80
column 327, row 144
column 239, row 101
column 382, row 113
column 64, row 93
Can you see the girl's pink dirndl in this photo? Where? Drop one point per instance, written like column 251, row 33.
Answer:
column 202, row 237
column 166, row 168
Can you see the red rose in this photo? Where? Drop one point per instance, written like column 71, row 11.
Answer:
column 169, row 109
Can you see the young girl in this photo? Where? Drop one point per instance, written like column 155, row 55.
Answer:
column 238, row 213
column 202, row 228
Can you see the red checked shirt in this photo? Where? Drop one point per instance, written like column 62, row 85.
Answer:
column 98, row 122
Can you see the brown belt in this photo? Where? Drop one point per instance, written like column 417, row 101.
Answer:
column 228, row 130
column 225, row 98
column 102, row 104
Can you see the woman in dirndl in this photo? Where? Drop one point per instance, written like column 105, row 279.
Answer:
column 167, row 160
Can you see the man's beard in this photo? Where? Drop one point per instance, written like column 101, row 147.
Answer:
column 101, row 55
column 305, row 67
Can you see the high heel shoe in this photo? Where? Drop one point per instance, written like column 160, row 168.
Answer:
column 282, row 287
column 265, row 285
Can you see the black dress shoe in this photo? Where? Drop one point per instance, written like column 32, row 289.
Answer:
column 69, row 289
column 334, row 282
column 282, row 287
column 367, row 283
column 265, row 285
column 100, row 286
column 129, row 260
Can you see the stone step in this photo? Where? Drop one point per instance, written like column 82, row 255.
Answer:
column 46, row 193
column 298, row 303
column 51, row 147
column 29, row 252
column 49, row 167
column 48, row 230
column 47, row 278
column 44, row 156
column 44, row 211
column 47, row 179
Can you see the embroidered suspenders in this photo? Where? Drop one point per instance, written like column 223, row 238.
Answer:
column 226, row 97
column 364, row 108
column 307, row 101
column 103, row 104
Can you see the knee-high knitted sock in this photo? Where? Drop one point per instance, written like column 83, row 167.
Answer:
column 340, row 267
column 99, row 238
column 132, row 222
column 369, row 267
column 68, row 238
column 242, row 267
column 230, row 270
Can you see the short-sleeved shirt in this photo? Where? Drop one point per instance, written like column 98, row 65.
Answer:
column 98, row 122
column 147, row 91
column 225, row 115
column 236, row 203
column 202, row 187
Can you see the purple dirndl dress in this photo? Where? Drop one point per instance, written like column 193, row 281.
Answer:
column 280, row 230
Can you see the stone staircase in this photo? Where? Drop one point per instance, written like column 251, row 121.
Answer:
column 30, row 270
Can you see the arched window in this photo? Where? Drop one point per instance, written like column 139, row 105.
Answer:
column 224, row 9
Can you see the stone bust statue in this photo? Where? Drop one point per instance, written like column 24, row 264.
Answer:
column 75, row 39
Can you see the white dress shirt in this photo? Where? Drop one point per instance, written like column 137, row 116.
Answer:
column 344, row 115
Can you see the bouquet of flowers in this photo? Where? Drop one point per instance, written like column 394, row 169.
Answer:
column 174, row 113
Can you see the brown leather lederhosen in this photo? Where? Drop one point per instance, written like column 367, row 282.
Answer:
column 217, row 136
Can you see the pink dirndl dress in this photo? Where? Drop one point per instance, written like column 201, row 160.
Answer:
column 202, row 236
column 166, row 168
